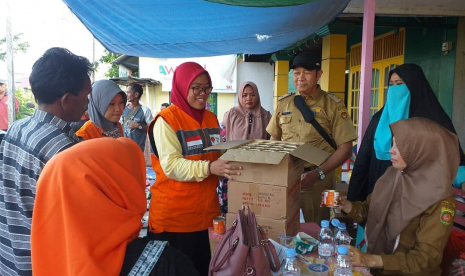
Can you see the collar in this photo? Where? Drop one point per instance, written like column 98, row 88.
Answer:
column 48, row 118
column 314, row 96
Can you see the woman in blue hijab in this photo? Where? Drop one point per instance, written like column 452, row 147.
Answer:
column 409, row 95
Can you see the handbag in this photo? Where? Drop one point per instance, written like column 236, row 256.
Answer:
column 244, row 249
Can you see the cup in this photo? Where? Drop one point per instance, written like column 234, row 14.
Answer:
column 219, row 225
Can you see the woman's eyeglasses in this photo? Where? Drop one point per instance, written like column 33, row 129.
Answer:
column 197, row 90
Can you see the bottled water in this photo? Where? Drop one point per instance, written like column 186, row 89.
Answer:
column 342, row 236
column 325, row 241
column 343, row 265
column 335, row 223
column 292, row 266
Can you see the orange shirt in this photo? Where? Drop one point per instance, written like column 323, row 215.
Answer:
column 90, row 131
column 185, row 206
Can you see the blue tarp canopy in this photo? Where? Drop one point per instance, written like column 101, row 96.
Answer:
column 196, row 28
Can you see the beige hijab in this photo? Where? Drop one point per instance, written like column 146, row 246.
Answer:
column 431, row 154
column 236, row 120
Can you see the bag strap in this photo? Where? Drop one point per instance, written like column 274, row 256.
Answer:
column 268, row 248
column 130, row 114
column 228, row 253
column 307, row 113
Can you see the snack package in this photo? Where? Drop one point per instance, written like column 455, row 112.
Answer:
column 304, row 243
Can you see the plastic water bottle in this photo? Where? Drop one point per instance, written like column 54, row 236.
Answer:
column 343, row 264
column 292, row 266
column 335, row 223
column 342, row 236
column 326, row 243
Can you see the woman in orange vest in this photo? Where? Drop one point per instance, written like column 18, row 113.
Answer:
column 106, row 104
column 184, row 200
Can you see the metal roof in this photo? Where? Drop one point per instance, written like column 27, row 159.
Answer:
column 142, row 81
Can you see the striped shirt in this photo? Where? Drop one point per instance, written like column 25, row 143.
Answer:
column 27, row 146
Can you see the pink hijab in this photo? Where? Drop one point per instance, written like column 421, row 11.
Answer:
column 236, row 120
column 182, row 79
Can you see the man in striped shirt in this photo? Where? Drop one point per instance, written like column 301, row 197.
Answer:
column 60, row 83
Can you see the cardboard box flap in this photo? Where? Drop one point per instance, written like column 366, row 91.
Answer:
column 228, row 145
column 310, row 154
column 248, row 156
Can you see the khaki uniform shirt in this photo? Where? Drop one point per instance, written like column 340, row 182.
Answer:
column 288, row 124
column 421, row 243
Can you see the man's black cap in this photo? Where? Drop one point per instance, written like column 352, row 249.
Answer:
column 307, row 60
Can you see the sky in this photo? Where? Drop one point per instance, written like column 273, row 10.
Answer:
column 46, row 24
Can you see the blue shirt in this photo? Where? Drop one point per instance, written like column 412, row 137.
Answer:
column 142, row 116
column 27, row 146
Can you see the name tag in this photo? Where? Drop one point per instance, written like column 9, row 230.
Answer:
column 215, row 139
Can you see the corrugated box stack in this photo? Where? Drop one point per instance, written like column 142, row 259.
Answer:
column 270, row 181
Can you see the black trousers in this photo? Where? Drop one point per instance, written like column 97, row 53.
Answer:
column 195, row 245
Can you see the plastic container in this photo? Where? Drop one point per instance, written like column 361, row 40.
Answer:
column 343, row 264
column 342, row 237
column 287, row 241
column 291, row 266
column 335, row 224
column 318, row 270
column 325, row 241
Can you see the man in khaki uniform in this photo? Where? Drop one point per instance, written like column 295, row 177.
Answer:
column 288, row 124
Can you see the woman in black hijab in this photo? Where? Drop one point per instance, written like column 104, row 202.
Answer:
column 423, row 103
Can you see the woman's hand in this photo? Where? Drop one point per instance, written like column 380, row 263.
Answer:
column 222, row 168
column 359, row 258
column 344, row 205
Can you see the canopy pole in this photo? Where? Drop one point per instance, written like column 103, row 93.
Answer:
column 147, row 96
column 366, row 68
column 10, row 67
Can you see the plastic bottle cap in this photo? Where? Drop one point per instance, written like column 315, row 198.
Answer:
column 342, row 249
column 290, row 253
column 342, row 226
column 324, row 223
column 335, row 222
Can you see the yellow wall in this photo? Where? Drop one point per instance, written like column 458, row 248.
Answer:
column 160, row 97
column 281, row 79
column 334, row 64
column 225, row 103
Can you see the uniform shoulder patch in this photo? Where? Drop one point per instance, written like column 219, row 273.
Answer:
column 285, row 96
column 333, row 97
column 447, row 216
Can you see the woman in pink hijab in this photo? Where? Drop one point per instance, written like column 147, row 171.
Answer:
column 249, row 119
column 244, row 122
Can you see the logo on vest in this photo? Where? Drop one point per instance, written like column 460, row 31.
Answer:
column 215, row 139
column 194, row 142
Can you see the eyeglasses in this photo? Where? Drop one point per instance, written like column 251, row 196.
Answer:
column 197, row 90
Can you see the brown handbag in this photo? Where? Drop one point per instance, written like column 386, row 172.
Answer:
column 244, row 250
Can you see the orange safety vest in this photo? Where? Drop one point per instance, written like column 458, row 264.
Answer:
column 90, row 131
column 185, row 206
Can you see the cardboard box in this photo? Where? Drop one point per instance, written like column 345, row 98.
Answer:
column 270, row 162
column 267, row 201
column 273, row 227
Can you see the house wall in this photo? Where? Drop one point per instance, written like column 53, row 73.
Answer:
column 423, row 47
column 458, row 110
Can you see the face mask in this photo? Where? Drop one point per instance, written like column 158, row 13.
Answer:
column 396, row 92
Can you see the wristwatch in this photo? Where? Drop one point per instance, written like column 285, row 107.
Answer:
column 322, row 174
column 140, row 126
